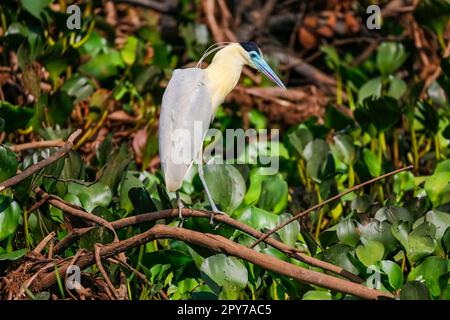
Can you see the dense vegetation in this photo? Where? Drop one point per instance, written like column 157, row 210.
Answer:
column 367, row 103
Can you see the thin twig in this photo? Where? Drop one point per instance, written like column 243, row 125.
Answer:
column 98, row 261
column 41, row 164
column 321, row 204
column 37, row 145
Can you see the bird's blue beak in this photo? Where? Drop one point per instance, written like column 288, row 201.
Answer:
column 262, row 66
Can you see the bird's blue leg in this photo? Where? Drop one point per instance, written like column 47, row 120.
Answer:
column 180, row 207
column 205, row 186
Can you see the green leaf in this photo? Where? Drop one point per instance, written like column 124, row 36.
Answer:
column 394, row 214
column 404, row 181
column 390, row 56
column 337, row 255
column 14, row 255
column 8, row 163
column 288, row 234
column 9, row 218
column 397, row 87
column 335, row 119
column 445, row 241
column 256, row 178
column 128, row 52
column 344, row 149
column 433, row 14
column 229, row 273
column 432, row 269
column 441, row 220
column 381, row 232
column 97, row 235
column 370, row 252
column 372, row 163
column 361, row 203
column 98, row 193
column 428, row 116
column 103, row 66
column 259, row 219
column 414, row 290
column 393, row 272
column 60, row 106
column 35, row 7
column 274, row 194
column 315, row 153
column 14, row 117
column 78, row 87
column 300, row 137
column 129, row 182
column 317, row 295
column 226, row 184
column 437, row 186
column 420, row 246
column 371, row 88
column 400, row 232
column 382, row 113
column 257, row 119
column 115, row 167
column 347, row 233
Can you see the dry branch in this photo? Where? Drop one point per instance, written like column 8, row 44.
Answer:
column 170, row 213
column 224, row 245
column 321, row 204
column 37, row 145
column 41, row 164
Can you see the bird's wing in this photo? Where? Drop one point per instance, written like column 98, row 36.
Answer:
column 184, row 120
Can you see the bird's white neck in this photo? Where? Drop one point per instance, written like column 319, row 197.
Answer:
column 224, row 72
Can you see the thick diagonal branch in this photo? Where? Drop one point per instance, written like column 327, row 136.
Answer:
column 219, row 244
column 164, row 214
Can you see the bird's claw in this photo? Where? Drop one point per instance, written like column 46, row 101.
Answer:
column 213, row 213
column 180, row 213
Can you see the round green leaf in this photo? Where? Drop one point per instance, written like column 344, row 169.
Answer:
column 414, row 290
column 370, row 252
column 390, row 56
column 347, row 233
column 317, row 295
column 226, row 185
column 393, row 272
column 229, row 273
column 431, row 270
column 9, row 219
column 288, row 234
column 8, row 163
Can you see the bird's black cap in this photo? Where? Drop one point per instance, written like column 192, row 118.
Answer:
column 250, row 46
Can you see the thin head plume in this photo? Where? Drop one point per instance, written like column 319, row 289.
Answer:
column 211, row 49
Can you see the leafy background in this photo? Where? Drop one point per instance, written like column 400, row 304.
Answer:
column 362, row 103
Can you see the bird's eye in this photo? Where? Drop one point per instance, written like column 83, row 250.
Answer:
column 253, row 54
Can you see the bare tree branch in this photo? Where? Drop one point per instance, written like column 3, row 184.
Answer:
column 218, row 244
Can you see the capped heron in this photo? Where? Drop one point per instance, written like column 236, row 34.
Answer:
column 191, row 100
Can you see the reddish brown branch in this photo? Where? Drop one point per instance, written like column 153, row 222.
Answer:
column 321, row 204
column 41, row 164
column 37, row 145
column 164, row 214
column 219, row 244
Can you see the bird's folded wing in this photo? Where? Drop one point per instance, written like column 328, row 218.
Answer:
column 184, row 120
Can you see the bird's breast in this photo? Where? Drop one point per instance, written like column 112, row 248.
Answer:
column 222, row 78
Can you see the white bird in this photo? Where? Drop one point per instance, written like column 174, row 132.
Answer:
column 189, row 105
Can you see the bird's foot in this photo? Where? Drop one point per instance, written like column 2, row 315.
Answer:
column 214, row 212
column 180, row 211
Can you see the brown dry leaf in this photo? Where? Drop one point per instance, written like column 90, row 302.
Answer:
column 306, row 38
column 139, row 142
